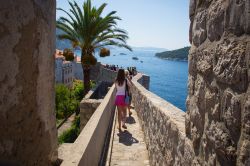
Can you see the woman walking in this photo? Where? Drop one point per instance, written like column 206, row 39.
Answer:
column 120, row 85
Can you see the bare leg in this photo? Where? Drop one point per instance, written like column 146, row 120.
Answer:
column 120, row 117
column 129, row 112
column 124, row 111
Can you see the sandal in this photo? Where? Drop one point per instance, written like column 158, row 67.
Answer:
column 124, row 126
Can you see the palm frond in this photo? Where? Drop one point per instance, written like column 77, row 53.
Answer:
column 87, row 28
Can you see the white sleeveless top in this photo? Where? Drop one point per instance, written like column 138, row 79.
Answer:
column 120, row 89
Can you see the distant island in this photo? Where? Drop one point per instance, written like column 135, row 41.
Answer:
column 179, row 54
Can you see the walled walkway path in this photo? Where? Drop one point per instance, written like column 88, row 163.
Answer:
column 128, row 147
column 66, row 125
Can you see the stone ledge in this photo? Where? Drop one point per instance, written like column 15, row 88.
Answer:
column 87, row 148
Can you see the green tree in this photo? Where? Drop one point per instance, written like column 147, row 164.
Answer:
column 89, row 30
column 78, row 89
column 104, row 52
column 70, row 135
column 66, row 103
column 68, row 54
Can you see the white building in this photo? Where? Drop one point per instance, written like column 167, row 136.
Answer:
column 64, row 72
column 78, row 72
column 58, row 66
column 67, row 73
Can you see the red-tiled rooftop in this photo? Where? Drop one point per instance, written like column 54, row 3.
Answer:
column 59, row 54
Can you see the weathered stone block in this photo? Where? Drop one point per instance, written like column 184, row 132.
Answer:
column 27, row 118
column 199, row 32
column 219, row 82
column 216, row 16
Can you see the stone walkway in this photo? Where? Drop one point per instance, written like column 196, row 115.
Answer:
column 129, row 148
column 66, row 125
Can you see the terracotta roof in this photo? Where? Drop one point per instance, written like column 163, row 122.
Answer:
column 59, row 54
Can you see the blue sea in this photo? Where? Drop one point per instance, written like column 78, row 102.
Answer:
column 168, row 79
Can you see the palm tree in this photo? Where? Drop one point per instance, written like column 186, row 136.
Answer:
column 88, row 30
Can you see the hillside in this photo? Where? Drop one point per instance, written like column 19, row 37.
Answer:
column 179, row 54
column 62, row 44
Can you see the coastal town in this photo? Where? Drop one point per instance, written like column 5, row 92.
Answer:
column 67, row 71
column 57, row 109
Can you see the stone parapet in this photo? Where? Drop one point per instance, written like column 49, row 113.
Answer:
column 88, row 147
column 144, row 81
column 107, row 75
column 91, row 101
column 87, row 108
column 164, row 127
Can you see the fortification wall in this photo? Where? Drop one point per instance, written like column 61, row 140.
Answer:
column 163, row 125
column 87, row 149
column 99, row 73
column 107, row 75
column 91, row 101
column 218, row 103
column 28, row 134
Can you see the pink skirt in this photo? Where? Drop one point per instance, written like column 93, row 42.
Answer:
column 120, row 100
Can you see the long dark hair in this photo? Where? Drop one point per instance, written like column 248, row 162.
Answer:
column 120, row 77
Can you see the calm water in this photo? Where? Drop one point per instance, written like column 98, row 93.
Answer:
column 168, row 79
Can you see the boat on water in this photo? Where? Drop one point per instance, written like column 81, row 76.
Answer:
column 123, row 54
column 141, row 61
column 135, row 58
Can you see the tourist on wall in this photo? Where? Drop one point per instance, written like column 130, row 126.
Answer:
column 121, row 100
column 128, row 82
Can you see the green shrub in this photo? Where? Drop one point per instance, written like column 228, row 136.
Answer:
column 70, row 135
column 68, row 100
column 78, row 90
column 66, row 103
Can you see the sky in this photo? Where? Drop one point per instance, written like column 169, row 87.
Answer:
column 149, row 23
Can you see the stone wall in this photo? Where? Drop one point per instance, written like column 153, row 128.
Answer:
column 95, row 71
column 144, row 81
column 101, row 90
column 164, row 128
column 91, row 101
column 87, row 108
column 28, row 134
column 88, row 147
column 218, row 103
column 107, row 75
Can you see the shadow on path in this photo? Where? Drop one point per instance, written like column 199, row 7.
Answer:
column 126, row 138
column 130, row 120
